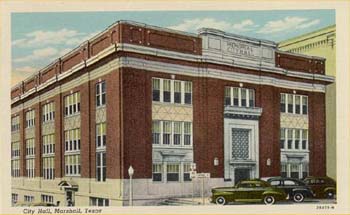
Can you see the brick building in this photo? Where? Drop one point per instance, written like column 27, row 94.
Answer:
column 159, row 100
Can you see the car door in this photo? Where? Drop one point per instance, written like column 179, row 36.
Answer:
column 241, row 191
column 255, row 194
column 288, row 186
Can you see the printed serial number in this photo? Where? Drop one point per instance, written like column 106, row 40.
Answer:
column 323, row 207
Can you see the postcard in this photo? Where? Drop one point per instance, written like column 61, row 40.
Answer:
column 122, row 107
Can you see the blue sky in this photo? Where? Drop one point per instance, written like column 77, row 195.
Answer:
column 40, row 38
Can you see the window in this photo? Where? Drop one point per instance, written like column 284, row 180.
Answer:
column 94, row 201
column 30, row 147
column 283, row 103
column 251, row 98
column 290, row 138
column 72, row 152
column 282, row 137
column 186, row 170
column 156, row 132
column 15, row 167
column 30, row 164
column 172, row 133
column 171, row 91
column 275, row 183
column 305, row 169
column 46, row 198
column 305, row 139
column 14, row 197
column 166, row 132
column 72, row 165
column 48, row 144
column 177, row 92
column 157, row 172
column 239, row 97
column 30, row 118
column 297, row 105
column 297, row 139
column 15, row 152
column 227, row 96
column 289, row 183
column 305, row 105
column 49, row 167
column 294, row 104
column 72, row 140
column 235, row 92
column 72, row 104
column 48, row 112
column 101, row 135
column 290, row 103
column 294, row 170
column 28, row 198
column 100, row 94
column 15, row 124
column 166, row 90
column 101, row 166
column 188, row 92
column 172, row 172
column 177, row 133
column 156, row 89
column 188, row 133
column 283, row 170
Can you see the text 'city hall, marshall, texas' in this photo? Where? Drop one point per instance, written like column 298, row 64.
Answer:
column 158, row 100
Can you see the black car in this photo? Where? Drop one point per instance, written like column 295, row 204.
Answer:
column 297, row 190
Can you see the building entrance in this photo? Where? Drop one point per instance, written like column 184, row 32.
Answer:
column 241, row 174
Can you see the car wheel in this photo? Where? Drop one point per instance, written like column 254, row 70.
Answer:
column 220, row 200
column 269, row 200
column 330, row 194
column 298, row 197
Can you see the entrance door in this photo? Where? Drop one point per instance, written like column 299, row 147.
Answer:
column 70, row 198
column 241, row 174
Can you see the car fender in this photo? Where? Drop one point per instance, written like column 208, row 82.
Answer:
column 301, row 190
column 327, row 189
column 272, row 193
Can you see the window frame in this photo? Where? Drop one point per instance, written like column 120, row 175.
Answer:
column 100, row 94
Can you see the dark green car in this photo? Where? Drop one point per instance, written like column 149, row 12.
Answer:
column 248, row 191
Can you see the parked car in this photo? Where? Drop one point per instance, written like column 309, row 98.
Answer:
column 254, row 190
column 323, row 187
column 296, row 189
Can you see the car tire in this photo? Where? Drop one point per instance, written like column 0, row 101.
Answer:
column 269, row 200
column 330, row 195
column 220, row 200
column 298, row 197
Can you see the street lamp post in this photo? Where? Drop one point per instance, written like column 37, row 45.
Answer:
column 131, row 172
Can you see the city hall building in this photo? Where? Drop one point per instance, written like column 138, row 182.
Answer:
column 159, row 100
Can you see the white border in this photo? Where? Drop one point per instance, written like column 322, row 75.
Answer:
column 343, row 89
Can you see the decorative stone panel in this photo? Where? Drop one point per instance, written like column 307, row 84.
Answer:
column 172, row 112
column 72, row 122
column 15, row 136
column 294, row 121
column 48, row 128
column 29, row 132
column 101, row 115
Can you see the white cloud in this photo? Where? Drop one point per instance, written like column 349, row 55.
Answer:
column 40, row 38
column 194, row 24
column 26, row 69
column 288, row 23
column 80, row 39
column 244, row 25
column 19, row 74
column 38, row 54
column 308, row 24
